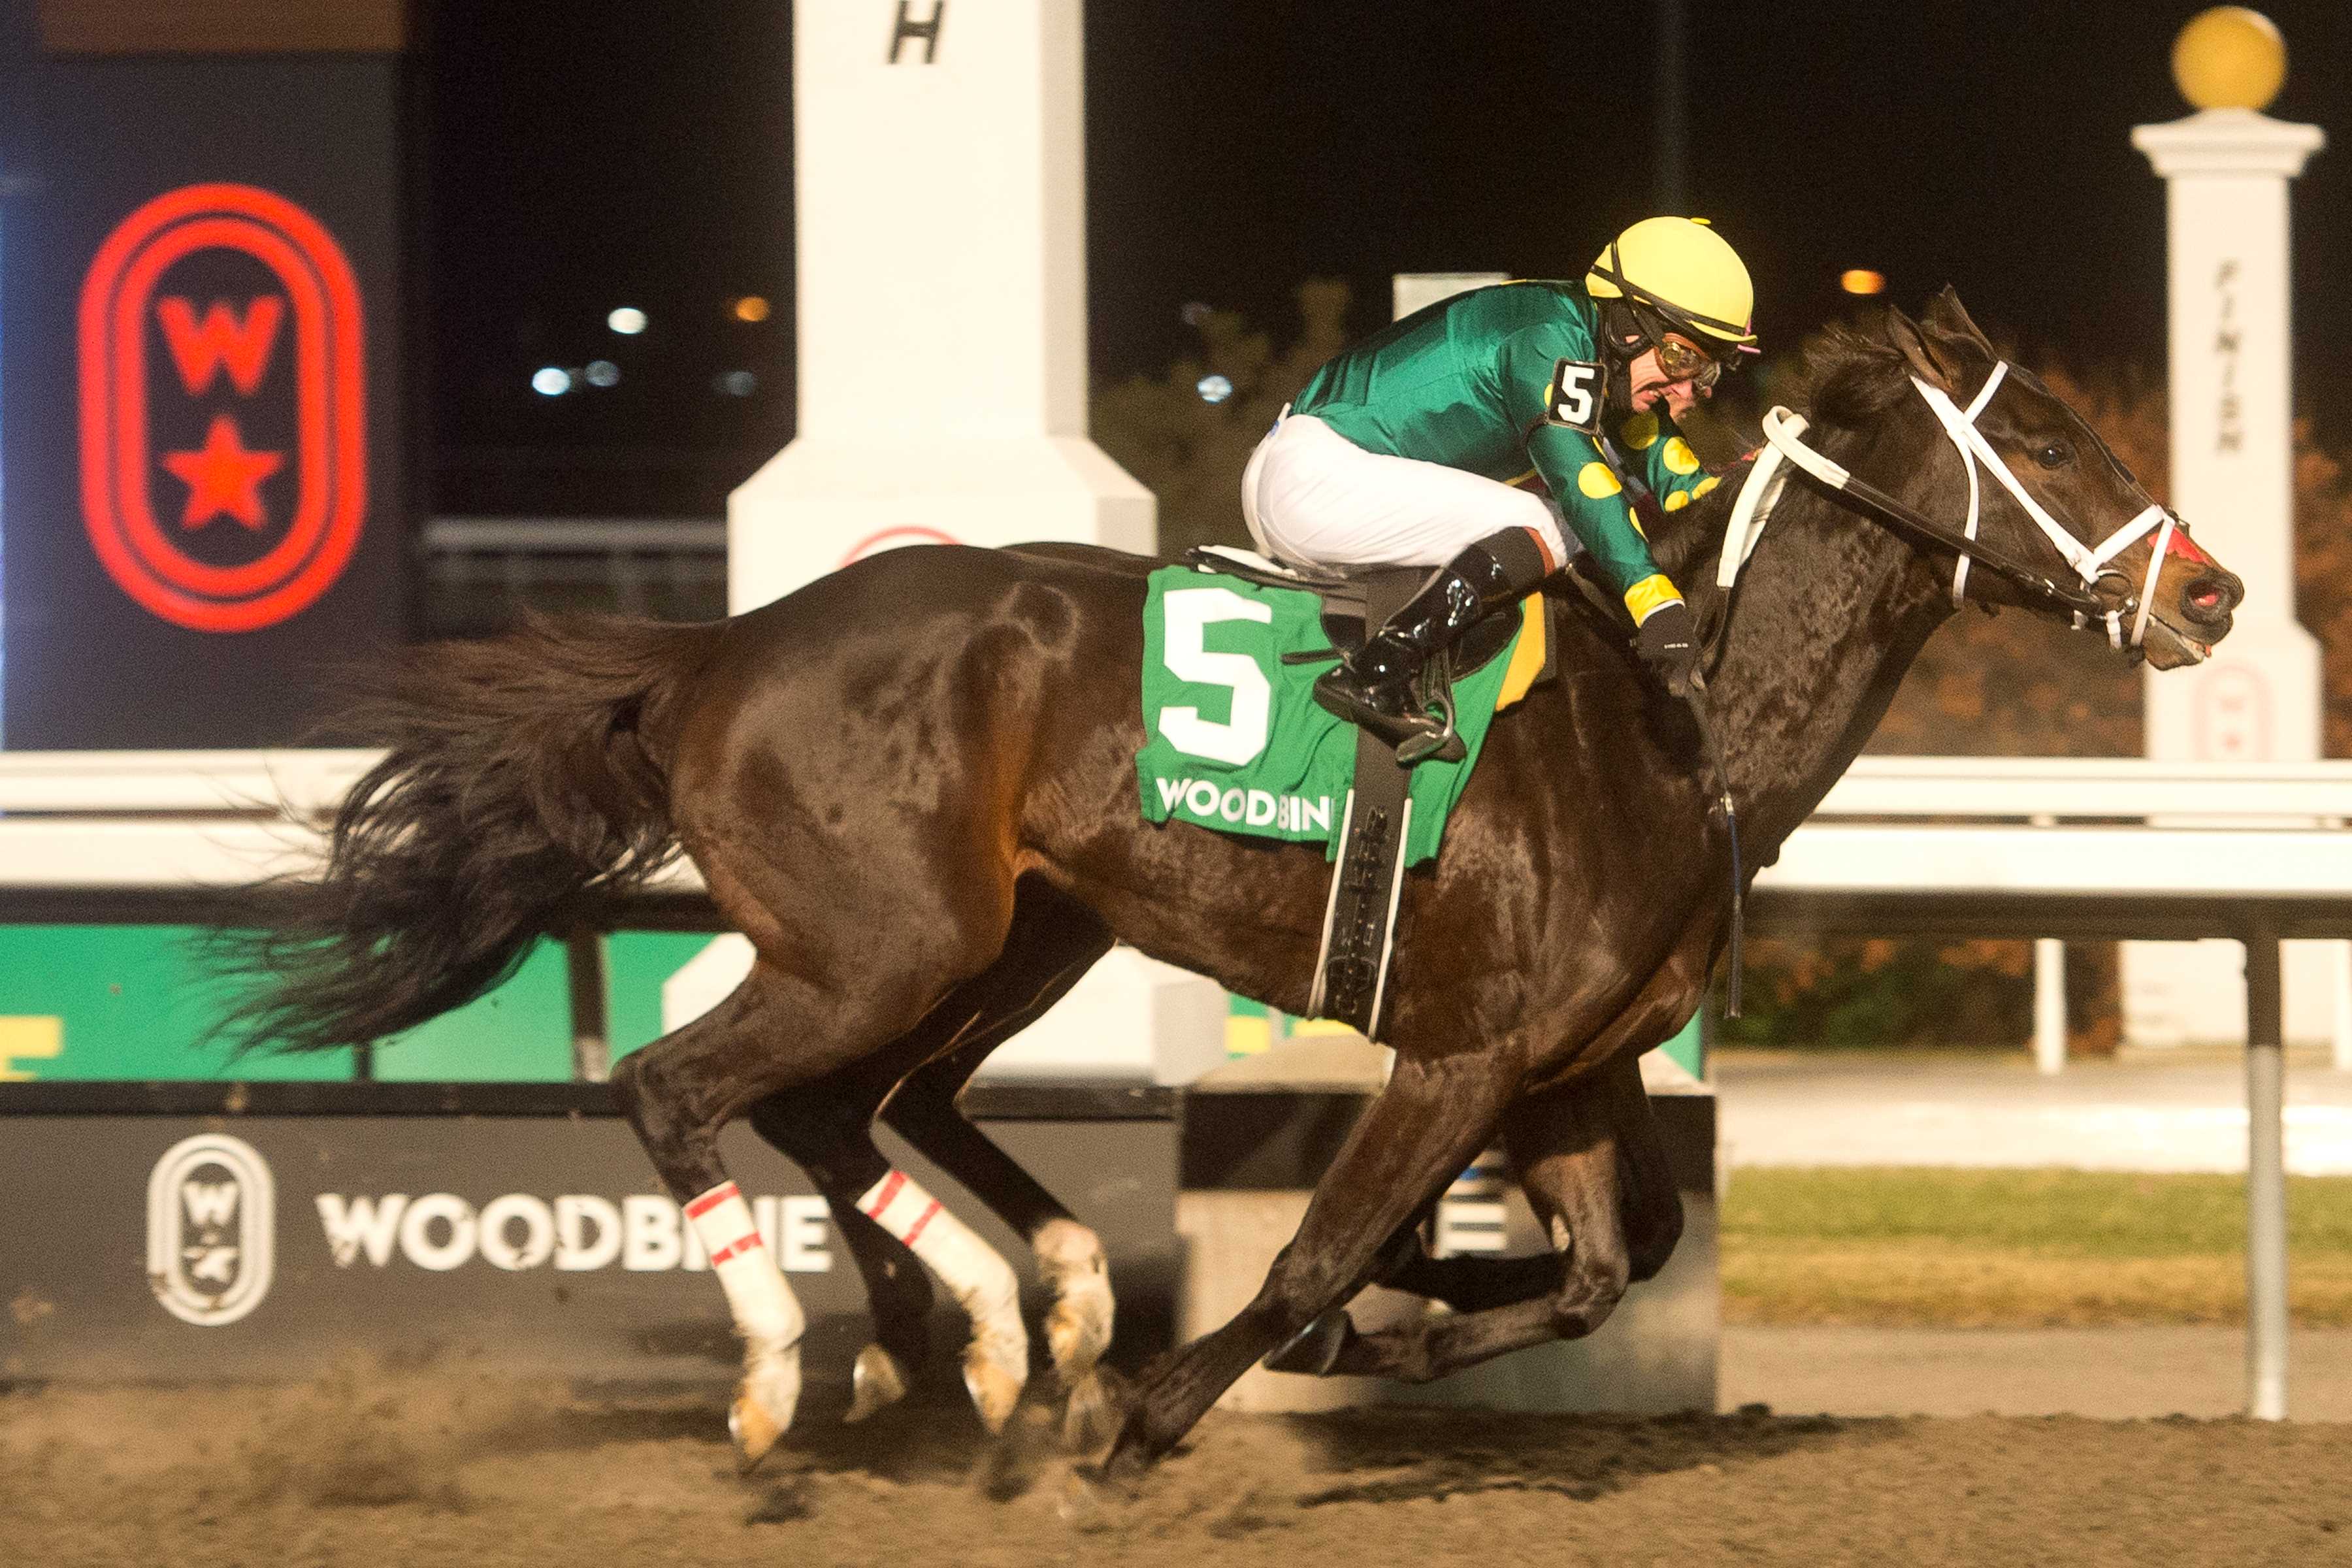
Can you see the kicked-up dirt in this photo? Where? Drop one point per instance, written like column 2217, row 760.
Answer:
column 419, row 1471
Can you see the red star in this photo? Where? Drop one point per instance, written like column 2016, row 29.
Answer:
column 223, row 476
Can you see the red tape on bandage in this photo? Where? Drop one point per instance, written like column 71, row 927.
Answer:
column 921, row 1220
column 710, row 1200
column 736, row 1249
column 884, row 1194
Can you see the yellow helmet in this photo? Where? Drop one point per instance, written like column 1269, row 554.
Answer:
column 1684, row 270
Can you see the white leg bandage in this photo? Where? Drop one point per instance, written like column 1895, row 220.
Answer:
column 983, row 1283
column 765, row 1312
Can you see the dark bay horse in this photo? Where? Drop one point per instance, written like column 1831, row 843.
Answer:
column 911, row 785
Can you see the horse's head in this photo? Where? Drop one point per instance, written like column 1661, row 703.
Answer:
column 2044, row 493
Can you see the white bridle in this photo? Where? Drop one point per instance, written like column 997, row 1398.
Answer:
column 2089, row 562
column 1784, row 430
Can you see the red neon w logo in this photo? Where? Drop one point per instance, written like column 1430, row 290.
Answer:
column 202, row 349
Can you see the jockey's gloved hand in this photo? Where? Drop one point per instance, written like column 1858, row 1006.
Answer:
column 1667, row 640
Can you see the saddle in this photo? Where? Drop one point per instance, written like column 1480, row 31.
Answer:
column 1358, row 602
column 1360, row 919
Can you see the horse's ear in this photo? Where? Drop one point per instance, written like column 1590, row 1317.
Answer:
column 1946, row 312
column 1930, row 361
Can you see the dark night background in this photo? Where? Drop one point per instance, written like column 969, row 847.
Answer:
column 604, row 153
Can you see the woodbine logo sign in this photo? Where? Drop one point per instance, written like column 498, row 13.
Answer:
column 643, row 1233
column 212, row 1223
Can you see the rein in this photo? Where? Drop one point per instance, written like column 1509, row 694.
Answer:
column 1784, row 431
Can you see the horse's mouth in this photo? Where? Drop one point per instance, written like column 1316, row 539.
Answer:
column 2169, row 647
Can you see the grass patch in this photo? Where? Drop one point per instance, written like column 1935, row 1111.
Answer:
column 1908, row 1246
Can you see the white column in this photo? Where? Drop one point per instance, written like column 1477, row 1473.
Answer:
column 2050, row 1006
column 2258, row 700
column 940, row 210
column 939, row 205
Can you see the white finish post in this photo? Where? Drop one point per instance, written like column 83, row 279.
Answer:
column 2050, row 1006
column 942, row 254
column 2226, row 173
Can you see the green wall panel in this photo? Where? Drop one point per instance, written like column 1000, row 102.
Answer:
column 520, row 1032
column 130, row 1002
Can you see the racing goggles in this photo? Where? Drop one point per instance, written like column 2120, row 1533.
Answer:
column 1680, row 360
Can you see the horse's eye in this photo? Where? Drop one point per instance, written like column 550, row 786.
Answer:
column 2055, row 455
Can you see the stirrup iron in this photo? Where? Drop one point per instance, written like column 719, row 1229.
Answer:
column 1444, row 746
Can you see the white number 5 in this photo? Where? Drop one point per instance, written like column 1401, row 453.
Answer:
column 1574, row 382
column 1186, row 614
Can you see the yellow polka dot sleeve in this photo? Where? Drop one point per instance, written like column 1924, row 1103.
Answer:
column 1673, row 471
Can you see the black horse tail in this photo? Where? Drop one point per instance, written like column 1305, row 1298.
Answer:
column 526, row 782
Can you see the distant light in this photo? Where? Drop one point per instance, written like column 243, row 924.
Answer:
column 738, row 384
column 751, row 307
column 1214, row 388
column 1862, row 281
column 551, row 380
column 1195, row 314
column 628, row 321
column 602, row 372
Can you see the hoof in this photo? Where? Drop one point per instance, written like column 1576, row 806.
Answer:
column 1078, row 1328
column 1124, row 1470
column 995, row 1387
column 1078, row 1331
column 763, row 1411
column 877, row 1382
column 754, row 1431
column 1097, row 1401
column 1315, row 1350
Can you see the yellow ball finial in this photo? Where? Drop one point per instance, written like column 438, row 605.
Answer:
column 2229, row 57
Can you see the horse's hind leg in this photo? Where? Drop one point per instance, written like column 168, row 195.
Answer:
column 678, row 1093
column 825, row 1128
column 1052, row 943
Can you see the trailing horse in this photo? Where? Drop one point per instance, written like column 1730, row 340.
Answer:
column 911, row 785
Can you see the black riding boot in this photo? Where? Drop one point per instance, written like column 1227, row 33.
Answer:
column 1374, row 687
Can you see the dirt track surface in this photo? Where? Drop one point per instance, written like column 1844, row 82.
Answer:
column 417, row 1472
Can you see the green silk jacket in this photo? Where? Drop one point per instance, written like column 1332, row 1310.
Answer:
column 1506, row 382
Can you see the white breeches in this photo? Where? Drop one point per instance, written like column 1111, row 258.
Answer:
column 1311, row 495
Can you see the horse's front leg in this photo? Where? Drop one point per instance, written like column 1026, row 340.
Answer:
column 1582, row 1158
column 1431, row 1119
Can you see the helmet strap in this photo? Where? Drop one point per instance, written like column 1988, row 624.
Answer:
column 1624, row 335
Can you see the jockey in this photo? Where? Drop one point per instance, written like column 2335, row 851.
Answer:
column 1418, row 446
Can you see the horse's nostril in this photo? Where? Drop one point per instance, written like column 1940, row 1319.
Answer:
column 2210, row 597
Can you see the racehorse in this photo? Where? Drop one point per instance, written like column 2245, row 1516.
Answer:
column 911, row 784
